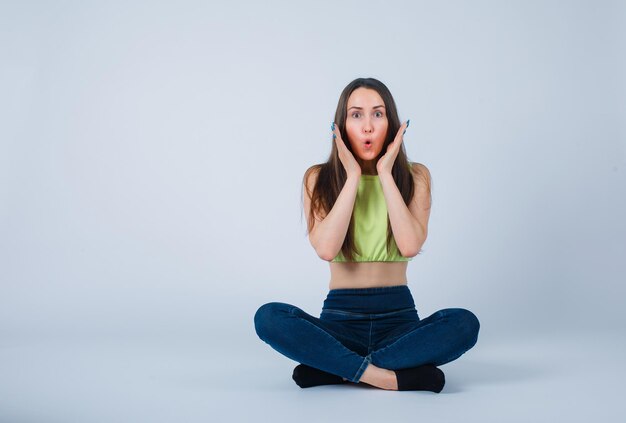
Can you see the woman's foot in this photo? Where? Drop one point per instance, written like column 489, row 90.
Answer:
column 380, row 378
column 307, row 376
column 421, row 378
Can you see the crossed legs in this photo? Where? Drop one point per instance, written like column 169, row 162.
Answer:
column 323, row 345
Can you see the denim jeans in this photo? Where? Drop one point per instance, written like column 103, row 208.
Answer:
column 359, row 326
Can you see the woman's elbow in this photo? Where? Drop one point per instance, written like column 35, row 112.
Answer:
column 322, row 251
column 412, row 250
column 409, row 253
column 325, row 254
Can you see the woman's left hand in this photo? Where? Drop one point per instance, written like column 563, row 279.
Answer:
column 385, row 163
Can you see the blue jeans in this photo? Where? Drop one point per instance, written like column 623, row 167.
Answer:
column 359, row 326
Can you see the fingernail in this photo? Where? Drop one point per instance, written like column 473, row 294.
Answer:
column 334, row 136
column 332, row 127
column 407, row 123
column 404, row 132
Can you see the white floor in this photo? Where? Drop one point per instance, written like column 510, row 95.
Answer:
column 544, row 379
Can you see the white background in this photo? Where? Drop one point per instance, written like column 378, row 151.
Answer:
column 151, row 161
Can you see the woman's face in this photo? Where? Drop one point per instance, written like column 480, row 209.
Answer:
column 366, row 123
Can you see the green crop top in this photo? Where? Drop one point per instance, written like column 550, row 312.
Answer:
column 370, row 224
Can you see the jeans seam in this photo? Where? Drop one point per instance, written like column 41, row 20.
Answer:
column 346, row 336
column 361, row 368
column 396, row 341
column 401, row 338
column 369, row 341
column 357, row 376
column 350, row 313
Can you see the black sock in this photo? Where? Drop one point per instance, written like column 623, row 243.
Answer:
column 422, row 378
column 307, row 376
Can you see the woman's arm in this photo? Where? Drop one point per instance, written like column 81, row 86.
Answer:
column 329, row 232
column 408, row 224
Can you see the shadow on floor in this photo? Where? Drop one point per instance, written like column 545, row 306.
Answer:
column 462, row 376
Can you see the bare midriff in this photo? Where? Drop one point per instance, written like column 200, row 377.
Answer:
column 368, row 274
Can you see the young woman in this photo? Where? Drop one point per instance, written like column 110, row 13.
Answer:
column 367, row 211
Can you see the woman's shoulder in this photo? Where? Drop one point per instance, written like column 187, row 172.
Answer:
column 312, row 171
column 309, row 180
column 421, row 173
column 419, row 167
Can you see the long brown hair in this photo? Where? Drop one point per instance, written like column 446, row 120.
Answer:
column 332, row 175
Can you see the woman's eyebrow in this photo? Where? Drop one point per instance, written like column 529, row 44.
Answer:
column 361, row 108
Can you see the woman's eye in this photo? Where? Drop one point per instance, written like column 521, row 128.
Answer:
column 354, row 115
column 379, row 114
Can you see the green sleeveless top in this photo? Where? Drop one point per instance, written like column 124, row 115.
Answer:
column 370, row 224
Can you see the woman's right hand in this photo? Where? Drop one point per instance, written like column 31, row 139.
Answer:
column 350, row 164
